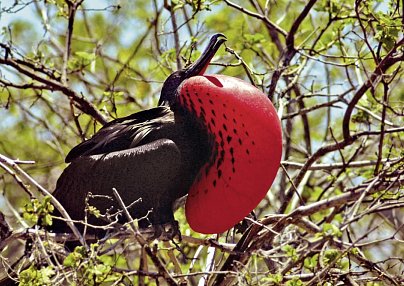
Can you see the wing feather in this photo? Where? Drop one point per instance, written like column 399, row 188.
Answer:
column 123, row 133
column 148, row 172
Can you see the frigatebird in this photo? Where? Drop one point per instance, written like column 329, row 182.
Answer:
column 214, row 138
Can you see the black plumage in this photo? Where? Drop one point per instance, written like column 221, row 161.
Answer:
column 153, row 155
column 151, row 158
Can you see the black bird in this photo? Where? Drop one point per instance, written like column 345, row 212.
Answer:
column 151, row 158
column 213, row 137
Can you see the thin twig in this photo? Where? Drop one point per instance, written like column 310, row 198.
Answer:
column 160, row 266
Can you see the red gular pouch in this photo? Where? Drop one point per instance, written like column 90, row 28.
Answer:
column 246, row 151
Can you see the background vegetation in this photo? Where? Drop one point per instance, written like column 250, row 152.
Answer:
column 334, row 71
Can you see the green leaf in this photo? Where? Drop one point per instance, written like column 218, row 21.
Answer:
column 36, row 277
column 330, row 229
column 38, row 212
column 274, row 278
column 311, row 262
column 290, row 252
column 101, row 269
column 253, row 39
column 294, row 282
column 330, row 255
column 355, row 250
column 47, row 220
column 86, row 56
column 94, row 211
column 74, row 258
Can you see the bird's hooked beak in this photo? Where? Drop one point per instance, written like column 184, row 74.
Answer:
column 170, row 86
column 201, row 64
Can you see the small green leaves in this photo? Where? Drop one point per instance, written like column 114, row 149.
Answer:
column 253, row 39
column 274, row 278
column 197, row 5
column 86, row 56
column 36, row 277
column 81, row 60
column 387, row 195
column 329, row 256
column 90, row 267
column 290, row 252
column 388, row 30
column 94, row 211
column 74, row 258
column 355, row 251
column 294, row 282
column 38, row 212
column 335, row 257
column 311, row 262
column 331, row 230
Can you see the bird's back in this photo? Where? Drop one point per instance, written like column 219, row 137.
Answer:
column 152, row 155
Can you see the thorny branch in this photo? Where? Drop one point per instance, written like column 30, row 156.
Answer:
column 51, row 84
column 388, row 61
column 257, row 237
column 22, row 175
column 157, row 262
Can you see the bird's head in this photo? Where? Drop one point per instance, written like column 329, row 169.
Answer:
column 170, row 87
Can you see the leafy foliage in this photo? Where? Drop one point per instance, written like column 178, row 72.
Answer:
column 37, row 212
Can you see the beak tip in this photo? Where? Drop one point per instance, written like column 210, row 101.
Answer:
column 200, row 65
column 218, row 36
